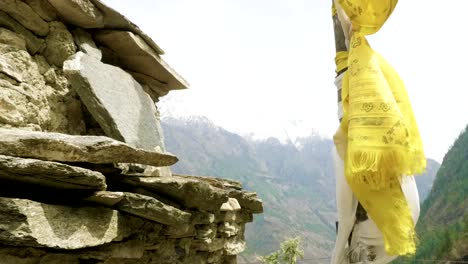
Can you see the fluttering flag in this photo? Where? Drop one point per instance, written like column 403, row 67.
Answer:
column 383, row 140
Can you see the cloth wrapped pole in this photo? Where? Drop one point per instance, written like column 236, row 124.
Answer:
column 383, row 141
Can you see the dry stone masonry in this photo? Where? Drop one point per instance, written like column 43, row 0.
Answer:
column 84, row 173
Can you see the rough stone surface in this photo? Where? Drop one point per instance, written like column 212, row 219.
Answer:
column 12, row 39
column 51, row 174
column 248, row 200
column 231, row 205
column 152, row 209
column 116, row 101
column 59, row 44
column 68, row 148
column 43, row 9
column 86, row 44
column 105, row 198
column 29, row 223
column 25, row 15
column 115, row 20
column 82, row 13
column 188, row 192
column 137, row 56
column 33, row 43
column 234, row 246
column 152, row 86
column 25, row 98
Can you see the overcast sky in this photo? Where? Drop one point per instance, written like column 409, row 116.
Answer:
column 266, row 66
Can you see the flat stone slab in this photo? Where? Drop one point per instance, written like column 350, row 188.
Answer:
column 136, row 55
column 105, row 198
column 68, row 148
column 50, row 174
column 190, row 193
column 25, row 15
column 27, row 223
column 33, row 43
column 82, row 13
column 248, row 201
column 116, row 101
column 152, row 209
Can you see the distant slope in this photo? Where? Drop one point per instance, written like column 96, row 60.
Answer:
column 295, row 180
column 443, row 225
column 296, row 185
column 425, row 181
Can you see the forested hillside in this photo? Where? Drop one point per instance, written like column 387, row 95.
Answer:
column 443, row 225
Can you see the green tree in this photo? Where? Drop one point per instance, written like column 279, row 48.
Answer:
column 289, row 252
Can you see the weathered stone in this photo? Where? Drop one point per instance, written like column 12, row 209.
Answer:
column 59, row 44
column 248, row 200
column 43, row 9
column 152, row 209
column 241, row 216
column 60, row 259
column 24, row 14
column 188, row 192
column 152, row 86
column 11, row 38
column 114, row 20
column 234, row 246
column 137, row 56
column 206, row 231
column 208, row 244
column 116, row 101
column 29, row 223
column 68, row 148
column 231, row 205
column 82, row 13
column 25, row 99
column 229, row 229
column 214, row 181
column 86, row 44
column 180, row 231
column 33, row 43
column 51, row 174
column 105, row 198
column 202, row 218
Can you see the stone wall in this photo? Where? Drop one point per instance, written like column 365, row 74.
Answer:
column 84, row 173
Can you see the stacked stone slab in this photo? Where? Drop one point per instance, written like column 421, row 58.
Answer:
column 84, row 173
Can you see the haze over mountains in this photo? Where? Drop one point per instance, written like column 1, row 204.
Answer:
column 295, row 179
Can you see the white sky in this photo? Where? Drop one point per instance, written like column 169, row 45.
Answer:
column 266, row 66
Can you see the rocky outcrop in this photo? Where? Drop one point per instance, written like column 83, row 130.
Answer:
column 84, row 173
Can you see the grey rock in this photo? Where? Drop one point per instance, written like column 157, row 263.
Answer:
column 86, row 44
column 105, row 198
column 115, row 20
column 231, row 205
column 51, row 174
column 152, row 86
column 242, row 216
column 33, row 43
column 137, row 56
column 43, row 9
column 208, row 244
column 202, row 218
column 68, row 148
column 229, row 229
column 207, row 231
column 59, row 44
column 234, row 246
column 82, row 13
column 179, row 231
column 24, row 14
column 248, row 201
column 59, row 259
column 214, row 181
column 13, row 39
column 116, row 101
column 189, row 192
column 152, row 209
column 29, row 223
